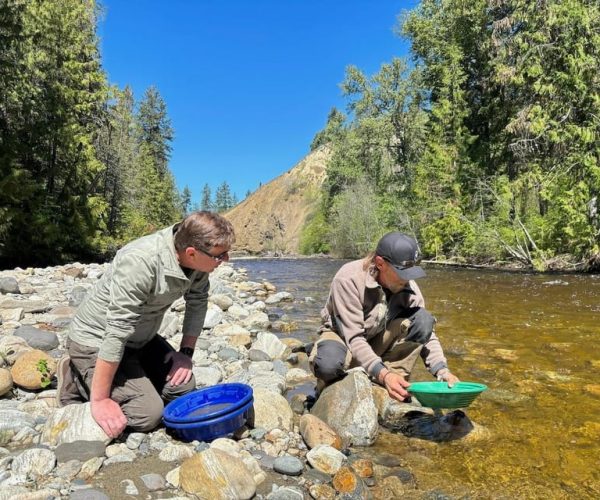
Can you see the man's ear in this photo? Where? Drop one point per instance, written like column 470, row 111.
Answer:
column 379, row 261
column 190, row 251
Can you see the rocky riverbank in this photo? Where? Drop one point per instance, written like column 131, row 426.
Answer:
column 289, row 453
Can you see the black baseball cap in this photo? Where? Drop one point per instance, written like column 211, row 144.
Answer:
column 402, row 252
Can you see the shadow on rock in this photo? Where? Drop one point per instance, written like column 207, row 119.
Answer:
column 439, row 428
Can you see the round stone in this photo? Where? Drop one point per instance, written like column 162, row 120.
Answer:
column 288, row 465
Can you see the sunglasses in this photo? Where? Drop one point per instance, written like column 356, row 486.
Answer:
column 216, row 258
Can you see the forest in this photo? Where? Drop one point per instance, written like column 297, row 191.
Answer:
column 84, row 166
column 484, row 143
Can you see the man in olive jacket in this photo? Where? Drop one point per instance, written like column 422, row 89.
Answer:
column 115, row 358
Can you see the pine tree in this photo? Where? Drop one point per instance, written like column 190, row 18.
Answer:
column 186, row 200
column 223, row 199
column 206, row 203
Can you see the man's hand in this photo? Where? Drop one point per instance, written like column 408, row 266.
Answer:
column 108, row 414
column 181, row 368
column 396, row 386
column 444, row 375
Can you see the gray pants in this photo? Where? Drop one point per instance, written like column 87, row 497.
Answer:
column 140, row 386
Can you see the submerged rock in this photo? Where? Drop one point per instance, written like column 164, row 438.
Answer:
column 449, row 427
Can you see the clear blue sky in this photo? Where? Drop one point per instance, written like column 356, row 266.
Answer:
column 248, row 83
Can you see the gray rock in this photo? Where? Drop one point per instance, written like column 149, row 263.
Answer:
column 174, row 453
column 348, row 408
column 286, row 493
column 77, row 295
column 9, row 285
column 228, row 354
column 269, row 380
column 29, row 306
column 120, row 458
column 224, row 302
column 258, row 355
column 88, row 494
column 61, row 323
column 207, row 375
column 33, row 464
column 288, row 465
column 257, row 320
column 214, row 316
column 202, row 345
column 269, row 343
column 129, row 487
column 79, row 450
column 272, row 411
column 281, row 368
column 14, row 420
column 279, row 297
column 154, row 482
column 68, row 470
column 134, row 440
column 37, row 338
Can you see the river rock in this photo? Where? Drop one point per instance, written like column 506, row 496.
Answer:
column 294, row 376
column 129, row 487
column 241, row 340
column 216, row 475
column 392, row 412
column 15, row 315
column 33, row 370
column 214, row 316
column 269, row 343
column 79, row 450
column 6, row 381
column 271, row 410
column 268, row 380
column 12, row 347
column 224, row 302
column 37, row 338
column 348, row 408
column 28, row 305
column 9, row 284
column 349, row 485
column 174, row 453
column 33, row 464
column 288, row 465
column 236, row 311
column 326, row 458
column 78, row 293
column 257, row 320
column 257, row 355
column 172, row 477
column 228, row 330
column 279, row 297
column 315, row 432
column 154, row 482
column 449, row 427
column 73, row 423
column 207, row 376
column 322, row 492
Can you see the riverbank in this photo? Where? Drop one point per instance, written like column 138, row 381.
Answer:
column 47, row 451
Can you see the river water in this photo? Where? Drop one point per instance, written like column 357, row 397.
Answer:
column 533, row 339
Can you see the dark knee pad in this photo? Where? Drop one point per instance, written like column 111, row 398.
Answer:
column 328, row 364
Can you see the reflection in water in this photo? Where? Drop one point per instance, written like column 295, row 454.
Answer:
column 438, row 427
column 533, row 339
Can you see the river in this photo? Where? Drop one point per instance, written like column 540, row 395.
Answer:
column 533, row 339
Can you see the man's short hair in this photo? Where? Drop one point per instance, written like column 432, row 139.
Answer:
column 204, row 230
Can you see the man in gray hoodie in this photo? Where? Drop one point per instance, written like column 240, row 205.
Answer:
column 115, row 358
column 375, row 317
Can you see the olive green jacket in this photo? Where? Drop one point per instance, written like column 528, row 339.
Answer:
column 127, row 305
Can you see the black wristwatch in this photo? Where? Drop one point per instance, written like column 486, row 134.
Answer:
column 188, row 351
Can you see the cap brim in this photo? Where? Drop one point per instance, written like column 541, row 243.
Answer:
column 409, row 273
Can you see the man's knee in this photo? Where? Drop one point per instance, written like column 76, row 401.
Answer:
column 328, row 363
column 144, row 414
column 171, row 392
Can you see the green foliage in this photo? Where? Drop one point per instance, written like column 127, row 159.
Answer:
column 42, row 367
column 313, row 238
column 488, row 147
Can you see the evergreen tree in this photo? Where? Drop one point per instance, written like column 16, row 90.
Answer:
column 186, row 200
column 206, row 203
column 223, row 199
column 52, row 91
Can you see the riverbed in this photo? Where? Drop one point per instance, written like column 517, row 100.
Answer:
column 532, row 339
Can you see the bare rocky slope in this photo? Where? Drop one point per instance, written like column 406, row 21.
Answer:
column 271, row 219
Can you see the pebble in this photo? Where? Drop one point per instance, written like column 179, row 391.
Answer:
column 154, row 482
column 134, row 440
column 288, row 465
column 129, row 487
column 88, row 494
column 79, row 450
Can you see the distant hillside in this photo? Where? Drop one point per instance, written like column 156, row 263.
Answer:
column 271, row 219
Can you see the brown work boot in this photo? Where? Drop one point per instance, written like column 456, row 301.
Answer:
column 66, row 388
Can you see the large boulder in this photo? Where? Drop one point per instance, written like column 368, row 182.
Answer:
column 348, row 408
column 271, row 410
column 37, row 338
column 72, row 423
